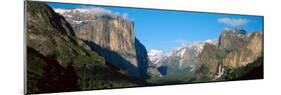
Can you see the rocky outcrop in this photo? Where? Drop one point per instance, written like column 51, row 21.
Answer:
column 51, row 35
column 211, row 57
column 111, row 36
column 232, row 39
column 236, row 48
column 245, row 54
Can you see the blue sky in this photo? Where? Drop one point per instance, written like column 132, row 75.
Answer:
column 166, row 30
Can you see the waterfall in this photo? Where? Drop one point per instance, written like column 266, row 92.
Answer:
column 220, row 71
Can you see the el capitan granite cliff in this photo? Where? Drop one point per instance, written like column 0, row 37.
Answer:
column 59, row 61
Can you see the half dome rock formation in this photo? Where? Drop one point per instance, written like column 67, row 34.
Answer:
column 112, row 36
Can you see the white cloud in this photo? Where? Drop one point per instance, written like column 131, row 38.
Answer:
column 233, row 22
column 102, row 11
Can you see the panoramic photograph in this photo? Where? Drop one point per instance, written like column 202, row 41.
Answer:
column 77, row 47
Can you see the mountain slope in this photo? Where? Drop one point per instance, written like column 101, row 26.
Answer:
column 58, row 61
column 211, row 57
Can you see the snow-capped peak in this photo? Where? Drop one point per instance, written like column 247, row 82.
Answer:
column 184, row 55
column 154, row 55
column 157, row 56
column 180, row 52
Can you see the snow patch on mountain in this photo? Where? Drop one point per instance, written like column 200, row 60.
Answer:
column 181, row 52
column 156, row 57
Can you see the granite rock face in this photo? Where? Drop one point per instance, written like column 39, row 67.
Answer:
column 211, row 57
column 232, row 39
column 246, row 53
column 112, row 36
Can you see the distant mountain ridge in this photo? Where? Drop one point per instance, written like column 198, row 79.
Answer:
column 180, row 60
